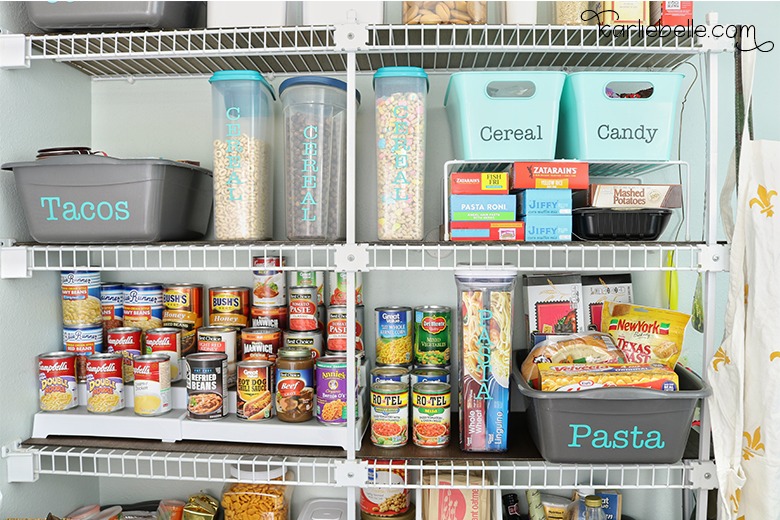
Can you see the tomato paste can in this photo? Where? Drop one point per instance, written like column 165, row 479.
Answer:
column 389, row 502
column 166, row 340
column 207, row 385
column 83, row 341
column 220, row 339
column 105, row 385
column 431, row 415
column 81, row 298
column 432, row 335
column 57, row 386
column 337, row 328
column 270, row 317
column 183, row 308
column 112, row 306
column 254, row 398
column 260, row 343
column 127, row 342
column 311, row 339
column 390, row 414
column 229, row 306
column 303, row 308
column 270, row 287
column 143, row 306
column 337, row 288
column 152, row 395
column 310, row 279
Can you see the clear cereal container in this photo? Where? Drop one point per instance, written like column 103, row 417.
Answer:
column 434, row 13
column 315, row 141
column 244, row 501
column 243, row 118
column 400, row 160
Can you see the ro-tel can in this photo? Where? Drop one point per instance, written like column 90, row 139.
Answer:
column 331, row 374
column 294, row 384
column 112, row 297
column 152, row 395
column 57, row 386
column 393, row 335
column 166, row 340
column 432, row 332
column 105, row 386
column 378, row 501
column 337, row 328
column 398, row 374
column 309, row 339
column 143, row 306
column 207, row 385
column 183, row 308
column 229, row 306
column 310, row 279
column 431, row 414
column 270, row 288
column 303, row 308
column 220, row 339
column 430, row 375
column 337, row 288
column 81, row 298
column 270, row 317
column 253, row 390
column 260, row 343
column 127, row 342
column 390, row 414
column 83, row 341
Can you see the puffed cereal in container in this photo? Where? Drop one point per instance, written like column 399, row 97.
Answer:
column 244, row 501
column 243, row 116
column 441, row 13
column 400, row 139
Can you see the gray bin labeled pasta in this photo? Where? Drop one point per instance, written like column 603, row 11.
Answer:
column 614, row 425
column 98, row 199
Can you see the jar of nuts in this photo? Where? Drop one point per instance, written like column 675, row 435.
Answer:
column 244, row 501
column 571, row 13
column 434, row 13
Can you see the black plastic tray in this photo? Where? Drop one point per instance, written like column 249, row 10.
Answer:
column 620, row 224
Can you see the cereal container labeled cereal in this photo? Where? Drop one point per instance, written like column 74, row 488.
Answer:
column 400, row 140
column 243, row 117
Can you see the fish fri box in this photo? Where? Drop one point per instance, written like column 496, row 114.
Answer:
column 630, row 196
column 553, row 304
column 548, row 228
column 487, row 231
column 561, row 175
column 483, row 208
column 596, row 290
column 479, row 183
column 545, row 202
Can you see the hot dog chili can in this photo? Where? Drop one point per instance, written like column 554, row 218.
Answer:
column 270, row 317
column 390, row 414
column 223, row 340
column 337, row 328
column 303, row 309
column 207, row 385
column 398, row 374
column 127, row 342
column 83, row 341
column 253, row 390
column 310, row 279
column 394, row 331
column 183, row 308
column 57, row 385
column 143, row 306
column 310, row 339
column 431, row 415
column 229, row 306
column 105, row 386
column 112, row 297
column 260, row 343
column 270, row 287
column 430, row 375
column 337, row 288
column 432, row 332
column 166, row 340
column 152, row 395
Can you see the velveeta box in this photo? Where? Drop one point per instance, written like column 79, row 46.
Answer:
column 550, row 174
column 574, row 377
column 479, row 183
column 553, row 304
column 596, row 290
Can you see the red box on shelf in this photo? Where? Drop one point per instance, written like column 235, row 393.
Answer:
column 560, row 174
column 487, row 231
column 671, row 13
column 479, row 183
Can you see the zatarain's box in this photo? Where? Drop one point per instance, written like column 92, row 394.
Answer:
column 558, row 175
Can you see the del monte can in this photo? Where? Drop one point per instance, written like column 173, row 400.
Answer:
column 432, row 335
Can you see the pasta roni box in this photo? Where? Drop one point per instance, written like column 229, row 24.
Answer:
column 558, row 174
column 611, row 503
column 483, row 208
column 479, row 183
column 487, row 231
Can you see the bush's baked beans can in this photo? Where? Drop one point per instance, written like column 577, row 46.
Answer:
column 57, row 386
column 112, row 305
column 394, row 330
column 127, row 342
column 303, row 309
column 253, row 390
column 378, row 501
column 430, row 375
column 105, row 386
column 270, row 317
column 390, row 414
column 310, row 279
column 270, row 288
column 432, row 333
column 337, row 328
column 337, row 288
column 152, row 395
column 228, row 306
column 398, row 374
column 83, row 341
column 166, row 340
column 224, row 340
column 81, row 298
column 431, row 415
column 331, row 376
column 183, row 308
column 310, row 339
column 260, row 343
column 207, row 385
column 143, row 306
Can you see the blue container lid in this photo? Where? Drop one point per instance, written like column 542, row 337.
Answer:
column 402, row 72
column 242, row 75
column 316, row 80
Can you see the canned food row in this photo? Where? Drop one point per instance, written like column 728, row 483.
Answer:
column 270, row 284
column 423, row 339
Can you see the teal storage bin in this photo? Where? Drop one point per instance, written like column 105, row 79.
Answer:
column 597, row 127
column 509, row 115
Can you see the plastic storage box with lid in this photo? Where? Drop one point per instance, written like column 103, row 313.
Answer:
column 315, row 125
column 326, row 13
column 243, row 119
column 93, row 198
column 56, row 16
column 608, row 116
column 324, row 509
column 228, row 13
column 504, row 115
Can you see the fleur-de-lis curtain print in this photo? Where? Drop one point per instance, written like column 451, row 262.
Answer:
column 735, row 500
column 753, row 445
column 720, row 357
column 764, row 200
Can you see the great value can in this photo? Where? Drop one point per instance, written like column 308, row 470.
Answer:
column 337, row 328
column 310, row 279
column 83, row 341
column 303, row 309
column 260, row 343
column 57, row 385
column 398, row 374
column 105, row 386
column 143, row 305
column 431, row 415
column 166, row 340
column 309, row 339
column 270, row 287
column 207, row 385
column 183, row 308
column 394, row 327
column 152, row 395
column 379, row 501
column 389, row 414
column 127, row 342
column 112, row 306
column 432, row 332
column 81, row 298
column 253, row 390
column 228, row 306
column 337, row 288
column 430, row 375
column 270, row 317
column 331, row 374
column 220, row 339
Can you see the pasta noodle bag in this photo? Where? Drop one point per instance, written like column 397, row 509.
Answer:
column 645, row 334
column 567, row 377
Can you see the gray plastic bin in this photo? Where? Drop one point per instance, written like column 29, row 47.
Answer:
column 603, row 425
column 82, row 16
column 92, row 198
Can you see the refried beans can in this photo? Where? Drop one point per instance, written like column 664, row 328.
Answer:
column 220, row 339
column 82, row 341
column 337, row 288
column 152, row 395
column 270, row 287
column 270, row 317
column 431, row 415
column 229, row 306
column 380, row 501
column 105, row 386
column 253, row 390
column 337, row 328
column 303, row 309
column 81, row 298
column 260, row 343
column 207, row 385
column 143, row 306
column 112, row 306
column 127, row 342
column 331, row 376
column 57, row 385
column 166, row 340
column 390, row 414
column 183, row 308
column 310, row 339
column 310, row 279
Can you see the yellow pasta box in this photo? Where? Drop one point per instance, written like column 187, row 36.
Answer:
column 568, row 377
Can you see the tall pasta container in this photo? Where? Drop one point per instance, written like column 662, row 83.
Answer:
column 243, row 119
column 400, row 140
column 484, row 330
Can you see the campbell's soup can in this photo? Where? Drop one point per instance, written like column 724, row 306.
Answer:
column 57, row 386
column 303, row 309
column 143, row 306
column 83, row 341
column 309, row 279
column 228, row 306
column 105, row 384
column 127, row 342
column 260, row 343
column 207, row 385
column 81, row 298
column 253, row 390
column 112, row 297
column 311, row 339
column 152, row 392
column 270, row 317
column 183, row 309
column 270, row 287
column 223, row 340
column 166, row 340
column 378, row 501
column 337, row 288
column 337, row 328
